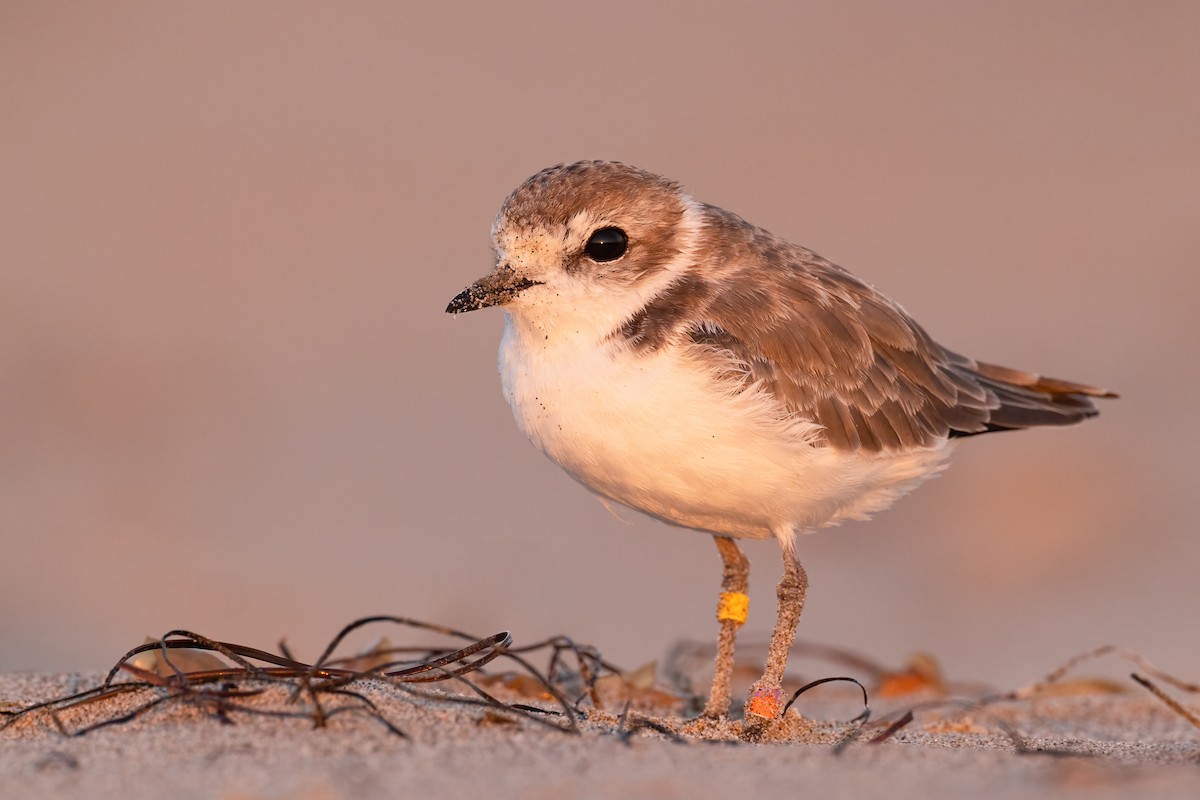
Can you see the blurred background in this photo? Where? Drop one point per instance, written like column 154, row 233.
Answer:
column 230, row 400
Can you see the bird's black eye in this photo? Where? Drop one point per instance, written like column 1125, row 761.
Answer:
column 606, row 244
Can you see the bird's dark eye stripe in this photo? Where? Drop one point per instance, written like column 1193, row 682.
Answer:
column 606, row 244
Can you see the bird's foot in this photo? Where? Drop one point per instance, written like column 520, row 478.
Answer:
column 765, row 702
column 763, row 708
column 717, row 708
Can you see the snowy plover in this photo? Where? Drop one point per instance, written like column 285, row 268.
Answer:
column 675, row 358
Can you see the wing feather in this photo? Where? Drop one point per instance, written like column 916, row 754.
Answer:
column 832, row 349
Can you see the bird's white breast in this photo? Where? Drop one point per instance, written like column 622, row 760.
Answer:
column 659, row 433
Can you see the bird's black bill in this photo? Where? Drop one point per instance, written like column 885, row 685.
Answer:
column 490, row 290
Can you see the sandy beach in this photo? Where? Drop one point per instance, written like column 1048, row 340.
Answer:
column 1100, row 740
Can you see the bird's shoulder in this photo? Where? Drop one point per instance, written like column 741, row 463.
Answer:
column 826, row 345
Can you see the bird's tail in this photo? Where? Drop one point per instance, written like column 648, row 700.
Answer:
column 1028, row 400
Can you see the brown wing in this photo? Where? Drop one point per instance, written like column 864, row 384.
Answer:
column 834, row 350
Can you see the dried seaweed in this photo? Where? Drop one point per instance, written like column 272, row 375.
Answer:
column 223, row 692
column 1056, row 675
column 895, row 722
column 1169, row 701
column 629, row 723
column 335, row 685
column 862, row 717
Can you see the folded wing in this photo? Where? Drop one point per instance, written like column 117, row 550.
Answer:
column 834, row 350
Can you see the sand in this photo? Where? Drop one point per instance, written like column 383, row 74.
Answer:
column 1096, row 744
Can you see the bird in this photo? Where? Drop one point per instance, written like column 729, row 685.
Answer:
column 681, row 361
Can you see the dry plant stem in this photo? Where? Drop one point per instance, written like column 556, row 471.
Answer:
column 319, row 682
column 792, row 590
column 1073, row 662
column 735, row 577
column 1170, row 702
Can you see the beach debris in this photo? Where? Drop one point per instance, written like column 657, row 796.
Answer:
column 638, row 689
column 185, row 660
column 225, row 680
column 1170, row 702
column 180, row 667
column 1056, row 676
column 1055, row 684
column 921, row 674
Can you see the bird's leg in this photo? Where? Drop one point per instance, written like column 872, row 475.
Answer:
column 731, row 613
column 766, row 695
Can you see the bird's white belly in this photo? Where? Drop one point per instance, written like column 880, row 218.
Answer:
column 658, row 433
